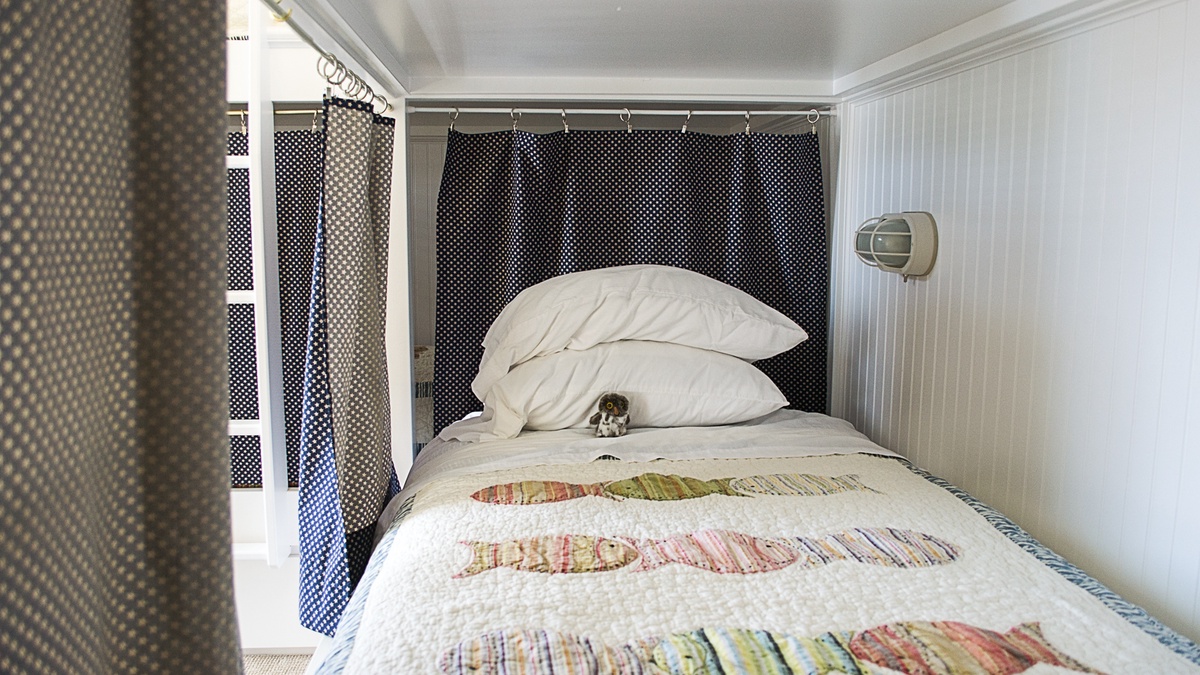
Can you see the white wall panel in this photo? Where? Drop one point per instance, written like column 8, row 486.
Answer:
column 426, row 160
column 1050, row 364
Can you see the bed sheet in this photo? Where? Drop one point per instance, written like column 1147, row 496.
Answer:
column 423, row 356
column 790, row 544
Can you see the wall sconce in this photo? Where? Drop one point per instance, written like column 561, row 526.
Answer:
column 904, row 243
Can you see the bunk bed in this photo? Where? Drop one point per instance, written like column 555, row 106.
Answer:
column 723, row 533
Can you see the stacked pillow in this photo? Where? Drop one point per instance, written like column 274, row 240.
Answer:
column 676, row 343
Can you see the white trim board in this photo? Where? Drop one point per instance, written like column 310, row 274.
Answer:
column 623, row 89
column 1014, row 28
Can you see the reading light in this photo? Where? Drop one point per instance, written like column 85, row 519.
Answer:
column 904, row 243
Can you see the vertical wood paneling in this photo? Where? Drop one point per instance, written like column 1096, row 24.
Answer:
column 1051, row 362
column 1180, row 299
column 428, row 155
column 1182, row 579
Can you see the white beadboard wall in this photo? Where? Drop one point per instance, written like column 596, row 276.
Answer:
column 1050, row 364
column 426, row 158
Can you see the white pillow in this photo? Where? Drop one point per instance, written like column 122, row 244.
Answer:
column 667, row 386
column 634, row 302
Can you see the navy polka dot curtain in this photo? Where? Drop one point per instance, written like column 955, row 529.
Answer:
column 517, row 208
column 298, row 181
column 299, row 176
column 346, row 469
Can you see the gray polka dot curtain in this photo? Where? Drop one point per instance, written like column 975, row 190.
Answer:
column 115, row 551
column 516, row 208
column 346, row 469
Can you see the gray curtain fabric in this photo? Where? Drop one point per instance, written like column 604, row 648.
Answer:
column 357, row 207
column 346, row 469
column 114, row 512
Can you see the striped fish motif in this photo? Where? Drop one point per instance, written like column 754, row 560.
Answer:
column 798, row 485
column 570, row 553
column 540, row 652
column 663, row 488
column 536, row 492
column 670, row 487
column 728, row 552
column 719, row 551
column 950, row 647
column 917, row 647
column 715, row 651
column 883, row 546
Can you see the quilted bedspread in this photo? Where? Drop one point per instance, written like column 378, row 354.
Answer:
column 830, row 563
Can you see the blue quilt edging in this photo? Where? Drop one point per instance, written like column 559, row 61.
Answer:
column 1127, row 610
column 343, row 641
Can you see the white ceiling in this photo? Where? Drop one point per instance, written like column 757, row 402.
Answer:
column 747, row 48
column 707, row 39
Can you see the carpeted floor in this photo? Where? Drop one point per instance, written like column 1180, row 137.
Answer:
column 275, row 664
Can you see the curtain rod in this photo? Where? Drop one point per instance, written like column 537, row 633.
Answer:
column 822, row 112
column 236, row 113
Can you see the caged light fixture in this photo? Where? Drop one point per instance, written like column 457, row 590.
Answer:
column 904, row 243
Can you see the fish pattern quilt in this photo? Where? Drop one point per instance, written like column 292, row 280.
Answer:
column 847, row 563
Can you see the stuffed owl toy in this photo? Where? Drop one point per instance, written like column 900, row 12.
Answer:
column 612, row 416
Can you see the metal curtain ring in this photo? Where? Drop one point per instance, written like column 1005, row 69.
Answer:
column 361, row 89
column 686, row 120
column 627, row 118
column 566, row 129
column 515, row 115
column 812, row 117
column 334, row 70
column 453, row 117
column 324, row 63
column 340, row 72
column 747, row 121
